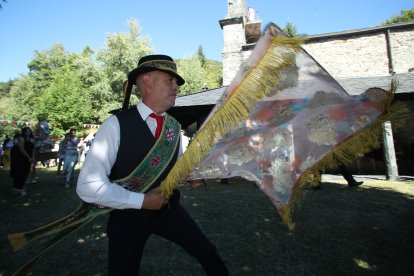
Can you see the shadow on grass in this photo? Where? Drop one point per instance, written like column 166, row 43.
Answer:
column 339, row 231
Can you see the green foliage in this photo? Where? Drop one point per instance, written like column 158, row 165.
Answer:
column 23, row 97
column 42, row 68
column 213, row 71
column 290, row 30
column 121, row 54
column 8, row 130
column 65, row 103
column 5, row 88
column 9, row 111
column 201, row 56
column 192, row 71
column 72, row 89
column 405, row 16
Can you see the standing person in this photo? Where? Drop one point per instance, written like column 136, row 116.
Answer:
column 71, row 155
column 7, row 146
column 22, row 158
column 120, row 148
column 61, row 155
column 348, row 176
column 42, row 129
column 1, row 156
column 343, row 170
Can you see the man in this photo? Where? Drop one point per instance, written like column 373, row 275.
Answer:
column 117, row 164
column 71, row 155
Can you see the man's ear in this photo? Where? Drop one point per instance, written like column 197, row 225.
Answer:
column 146, row 81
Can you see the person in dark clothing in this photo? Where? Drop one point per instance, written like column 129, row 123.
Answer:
column 343, row 170
column 22, row 158
column 136, row 148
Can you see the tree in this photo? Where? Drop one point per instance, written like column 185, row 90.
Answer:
column 290, row 30
column 191, row 70
column 201, row 56
column 121, row 54
column 213, row 71
column 65, row 103
column 44, row 65
column 405, row 16
column 5, row 88
column 97, row 85
column 8, row 111
column 22, row 98
column 12, row 106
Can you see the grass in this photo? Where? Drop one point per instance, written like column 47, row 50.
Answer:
column 339, row 231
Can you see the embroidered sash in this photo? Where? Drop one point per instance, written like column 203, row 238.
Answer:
column 157, row 159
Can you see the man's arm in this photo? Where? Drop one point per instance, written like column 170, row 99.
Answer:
column 93, row 184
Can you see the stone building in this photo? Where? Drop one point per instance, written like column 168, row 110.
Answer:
column 357, row 59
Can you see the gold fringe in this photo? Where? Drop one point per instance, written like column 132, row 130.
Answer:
column 349, row 150
column 257, row 84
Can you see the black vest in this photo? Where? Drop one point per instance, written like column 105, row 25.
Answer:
column 136, row 140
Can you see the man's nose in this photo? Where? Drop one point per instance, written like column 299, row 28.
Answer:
column 175, row 84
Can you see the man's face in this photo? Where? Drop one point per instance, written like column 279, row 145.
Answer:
column 162, row 91
column 73, row 133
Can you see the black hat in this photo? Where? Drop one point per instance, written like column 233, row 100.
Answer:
column 155, row 62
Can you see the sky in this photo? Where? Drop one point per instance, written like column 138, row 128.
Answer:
column 175, row 27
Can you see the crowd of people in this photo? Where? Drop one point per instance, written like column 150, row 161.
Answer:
column 22, row 153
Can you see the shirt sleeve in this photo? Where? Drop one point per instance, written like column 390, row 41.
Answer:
column 93, row 185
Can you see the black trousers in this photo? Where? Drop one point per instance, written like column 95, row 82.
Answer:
column 346, row 174
column 128, row 230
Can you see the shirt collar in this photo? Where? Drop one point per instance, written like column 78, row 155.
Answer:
column 144, row 110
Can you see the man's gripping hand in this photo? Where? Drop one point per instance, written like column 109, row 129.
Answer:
column 154, row 199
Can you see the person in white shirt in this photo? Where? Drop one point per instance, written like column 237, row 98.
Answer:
column 132, row 152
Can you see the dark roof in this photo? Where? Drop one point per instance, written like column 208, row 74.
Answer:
column 363, row 31
column 209, row 97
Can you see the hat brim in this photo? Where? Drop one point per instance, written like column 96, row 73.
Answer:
column 132, row 76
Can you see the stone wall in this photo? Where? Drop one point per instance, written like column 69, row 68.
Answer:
column 350, row 54
column 232, row 65
column 364, row 54
column 402, row 43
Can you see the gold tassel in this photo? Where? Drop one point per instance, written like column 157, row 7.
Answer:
column 62, row 234
column 20, row 240
column 83, row 213
column 256, row 84
column 17, row 240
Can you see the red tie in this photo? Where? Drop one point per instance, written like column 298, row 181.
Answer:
column 160, row 121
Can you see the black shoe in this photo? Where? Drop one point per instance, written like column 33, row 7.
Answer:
column 355, row 184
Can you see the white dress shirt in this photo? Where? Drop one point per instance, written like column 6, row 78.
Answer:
column 94, row 186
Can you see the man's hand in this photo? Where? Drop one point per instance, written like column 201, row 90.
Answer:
column 154, row 199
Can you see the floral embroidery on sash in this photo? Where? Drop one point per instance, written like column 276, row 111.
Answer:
column 156, row 161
